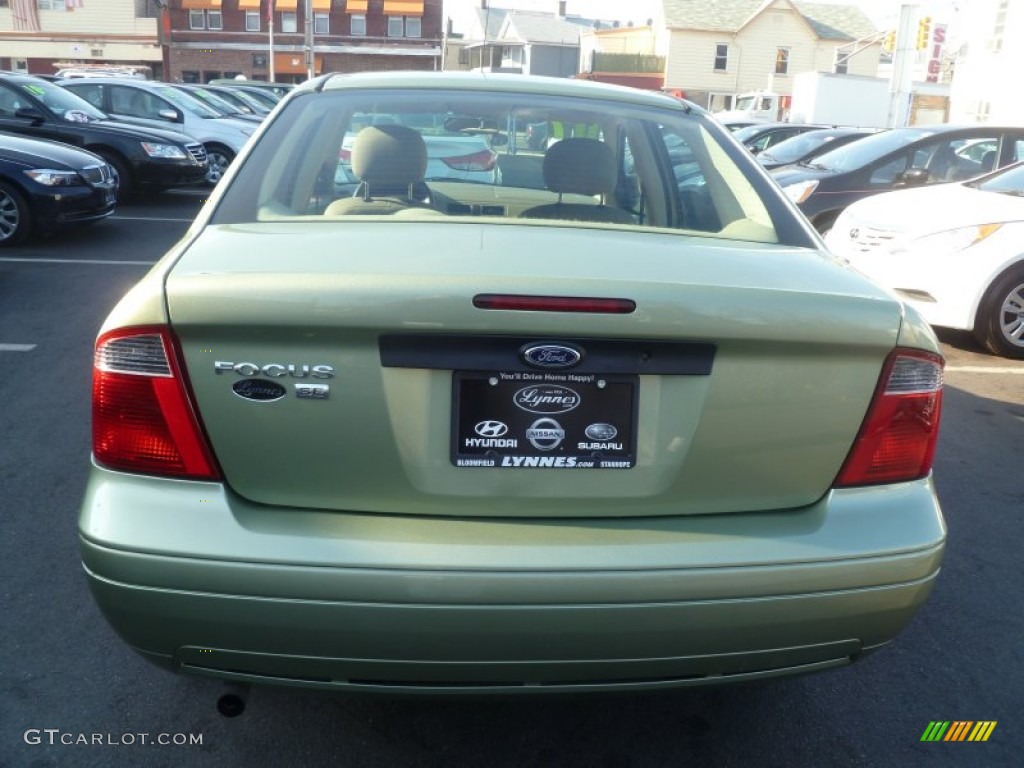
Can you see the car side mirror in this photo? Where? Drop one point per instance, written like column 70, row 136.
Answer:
column 913, row 177
column 168, row 114
column 30, row 113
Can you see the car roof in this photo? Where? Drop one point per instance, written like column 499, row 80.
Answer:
column 500, row 82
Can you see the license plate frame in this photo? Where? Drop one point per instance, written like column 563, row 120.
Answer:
column 518, row 419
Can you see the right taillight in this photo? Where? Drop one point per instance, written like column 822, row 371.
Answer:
column 142, row 416
column 897, row 441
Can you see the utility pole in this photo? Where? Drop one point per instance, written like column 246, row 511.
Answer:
column 270, row 26
column 308, row 12
column 903, row 67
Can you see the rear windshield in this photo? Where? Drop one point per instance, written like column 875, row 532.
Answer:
column 506, row 158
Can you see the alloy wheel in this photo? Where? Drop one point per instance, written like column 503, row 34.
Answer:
column 10, row 215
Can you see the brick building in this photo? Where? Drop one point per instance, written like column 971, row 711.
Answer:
column 207, row 39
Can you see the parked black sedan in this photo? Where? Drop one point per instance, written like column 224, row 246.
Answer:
column 901, row 157
column 153, row 158
column 45, row 186
column 759, row 137
column 806, row 146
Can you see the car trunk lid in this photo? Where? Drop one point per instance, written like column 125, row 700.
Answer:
column 350, row 373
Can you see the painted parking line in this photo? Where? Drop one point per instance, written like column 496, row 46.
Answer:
column 14, row 259
column 17, row 347
column 150, row 218
column 985, row 369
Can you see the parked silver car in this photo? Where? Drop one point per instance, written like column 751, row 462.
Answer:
column 162, row 105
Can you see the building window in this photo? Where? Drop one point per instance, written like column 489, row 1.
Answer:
column 396, row 26
column 214, row 20
column 358, row 25
column 252, row 21
column 782, row 61
column 413, row 26
column 196, row 20
column 289, row 21
column 189, row 76
column 721, row 57
column 51, row 5
column 464, row 56
column 209, row 75
column 259, row 61
column 321, row 23
column 842, row 62
column 996, row 43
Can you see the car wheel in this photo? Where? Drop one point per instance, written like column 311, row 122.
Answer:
column 1000, row 323
column 15, row 217
column 219, row 158
column 125, row 180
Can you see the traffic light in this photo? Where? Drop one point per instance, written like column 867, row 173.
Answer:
column 889, row 41
column 924, row 26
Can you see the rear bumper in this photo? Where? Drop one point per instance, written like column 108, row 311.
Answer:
column 201, row 581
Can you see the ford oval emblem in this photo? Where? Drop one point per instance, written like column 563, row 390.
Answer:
column 546, row 399
column 601, row 432
column 260, row 390
column 551, row 355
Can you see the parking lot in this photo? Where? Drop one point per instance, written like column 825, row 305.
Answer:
column 71, row 693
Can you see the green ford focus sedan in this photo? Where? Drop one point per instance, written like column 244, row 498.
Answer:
column 421, row 405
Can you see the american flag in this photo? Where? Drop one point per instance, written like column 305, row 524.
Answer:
column 270, row 11
column 72, row 4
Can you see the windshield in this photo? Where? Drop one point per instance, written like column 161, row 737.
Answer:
column 63, row 102
column 859, row 153
column 1009, row 181
column 749, row 132
column 792, row 149
column 189, row 103
column 213, row 100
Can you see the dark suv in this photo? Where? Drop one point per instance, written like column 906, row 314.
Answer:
column 148, row 158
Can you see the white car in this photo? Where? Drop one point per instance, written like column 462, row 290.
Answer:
column 953, row 251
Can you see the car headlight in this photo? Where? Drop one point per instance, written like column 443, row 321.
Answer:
column 51, row 178
column 166, row 151
column 801, row 190
column 954, row 240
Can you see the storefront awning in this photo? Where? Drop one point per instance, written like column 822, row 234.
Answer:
column 248, row 5
column 286, row 6
column 356, row 6
column 403, row 7
column 196, row 5
column 322, row 6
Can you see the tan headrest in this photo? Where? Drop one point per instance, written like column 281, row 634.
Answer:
column 582, row 166
column 389, row 155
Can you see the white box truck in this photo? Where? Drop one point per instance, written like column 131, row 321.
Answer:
column 818, row 97
column 823, row 97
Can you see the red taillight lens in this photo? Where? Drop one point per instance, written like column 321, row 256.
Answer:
column 553, row 304
column 345, row 156
column 478, row 161
column 142, row 418
column 897, row 440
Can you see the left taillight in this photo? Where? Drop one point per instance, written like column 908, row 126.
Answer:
column 897, row 440
column 142, row 415
column 483, row 160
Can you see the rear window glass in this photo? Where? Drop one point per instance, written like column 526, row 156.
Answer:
column 507, row 158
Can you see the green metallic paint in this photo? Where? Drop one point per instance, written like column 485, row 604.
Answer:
column 800, row 346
